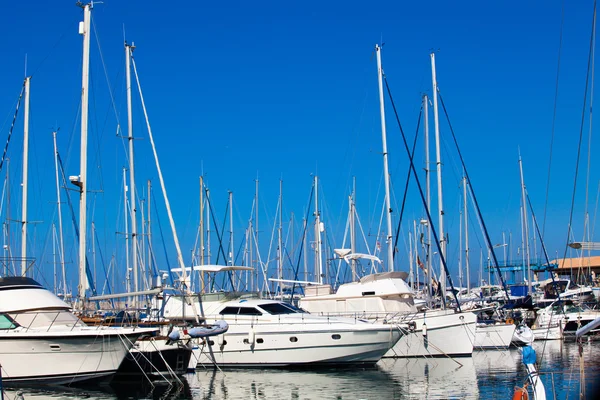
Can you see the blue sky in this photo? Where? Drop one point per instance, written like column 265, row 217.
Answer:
column 270, row 90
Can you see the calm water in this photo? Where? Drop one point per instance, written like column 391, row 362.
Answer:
column 487, row 375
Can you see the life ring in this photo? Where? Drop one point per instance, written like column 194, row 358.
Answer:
column 510, row 321
column 520, row 393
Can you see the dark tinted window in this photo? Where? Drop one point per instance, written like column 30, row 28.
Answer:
column 249, row 311
column 230, row 311
column 277, row 308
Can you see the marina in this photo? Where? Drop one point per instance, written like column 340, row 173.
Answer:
column 386, row 265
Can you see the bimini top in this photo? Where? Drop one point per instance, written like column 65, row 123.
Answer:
column 21, row 294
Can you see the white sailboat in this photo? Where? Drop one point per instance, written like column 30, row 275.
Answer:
column 387, row 297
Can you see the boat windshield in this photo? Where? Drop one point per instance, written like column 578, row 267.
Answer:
column 6, row 322
column 279, row 308
column 573, row 308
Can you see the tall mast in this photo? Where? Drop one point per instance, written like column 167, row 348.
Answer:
column 439, row 176
column 460, row 249
column 279, row 236
column 125, row 219
column 304, row 248
column 25, row 183
column 209, row 255
column 466, row 224
column 201, row 231
column 525, row 224
column 318, row 257
column 352, row 235
column 84, row 29
column 149, row 222
column 183, row 277
column 256, row 228
column 428, row 195
column 132, row 198
column 231, row 249
column 386, row 175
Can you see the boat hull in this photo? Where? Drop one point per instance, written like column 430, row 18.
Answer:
column 493, row 336
column 306, row 345
column 155, row 357
column 31, row 358
column 446, row 333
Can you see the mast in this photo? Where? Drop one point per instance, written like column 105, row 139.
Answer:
column 183, row 277
column 386, row 175
column 256, row 227
column 428, row 195
column 149, row 227
column 525, row 226
column 279, row 237
column 25, row 180
column 125, row 219
column 202, row 232
column 81, row 181
column 460, row 249
column 231, row 249
column 466, row 224
column 352, row 235
column 439, row 175
column 318, row 229
column 209, row 255
column 132, row 198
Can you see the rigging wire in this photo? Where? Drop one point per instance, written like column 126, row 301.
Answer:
column 12, row 126
column 485, row 231
column 407, row 181
column 433, row 230
column 562, row 22
column 310, row 198
column 587, row 78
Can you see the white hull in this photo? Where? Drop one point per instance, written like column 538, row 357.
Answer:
column 298, row 343
column 493, row 336
column 446, row 334
column 34, row 357
column 551, row 333
column 523, row 336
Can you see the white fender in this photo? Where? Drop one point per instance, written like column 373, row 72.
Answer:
column 221, row 340
column 251, row 336
column 424, row 328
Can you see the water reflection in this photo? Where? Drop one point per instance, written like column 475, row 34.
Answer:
column 286, row 384
column 486, row 375
column 132, row 390
column 433, row 378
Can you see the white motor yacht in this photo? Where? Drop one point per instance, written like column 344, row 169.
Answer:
column 42, row 341
column 561, row 319
column 270, row 333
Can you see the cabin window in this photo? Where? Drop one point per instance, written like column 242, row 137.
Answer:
column 6, row 322
column 278, row 308
column 230, row 311
column 249, row 311
column 336, row 336
column 259, row 341
column 371, row 293
column 293, row 339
